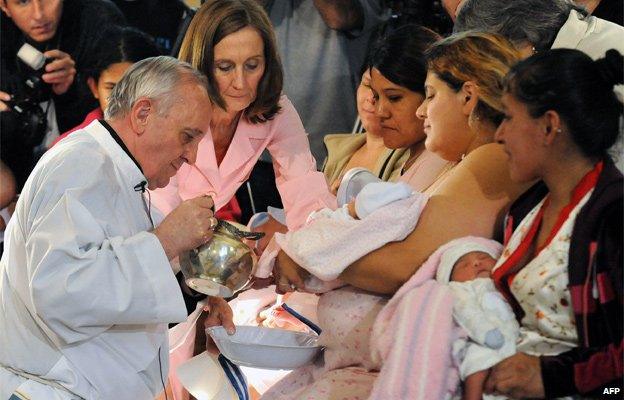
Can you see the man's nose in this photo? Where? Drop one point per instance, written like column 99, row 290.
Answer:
column 37, row 10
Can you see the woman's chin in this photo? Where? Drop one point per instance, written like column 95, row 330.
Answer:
column 236, row 106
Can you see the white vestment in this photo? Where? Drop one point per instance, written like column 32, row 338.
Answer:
column 86, row 291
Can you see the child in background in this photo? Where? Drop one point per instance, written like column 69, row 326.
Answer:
column 480, row 310
column 118, row 48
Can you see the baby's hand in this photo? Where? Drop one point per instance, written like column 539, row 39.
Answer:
column 494, row 339
column 351, row 209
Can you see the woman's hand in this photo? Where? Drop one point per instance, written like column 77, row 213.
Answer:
column 269, row 228
column 60, row 72
column 519, row 376
column 288, row 275
column 219, row 313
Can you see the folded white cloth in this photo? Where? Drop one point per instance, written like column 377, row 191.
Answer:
column 378, row 194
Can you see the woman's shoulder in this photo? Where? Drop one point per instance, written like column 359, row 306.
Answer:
column 338, row 139
column 488, row 162
column 286, row 121
column 286, row 106
column 488, row 167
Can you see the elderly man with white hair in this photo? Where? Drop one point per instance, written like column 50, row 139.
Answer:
column 86, row 283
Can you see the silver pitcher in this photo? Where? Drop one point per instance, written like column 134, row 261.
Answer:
column 222, row 266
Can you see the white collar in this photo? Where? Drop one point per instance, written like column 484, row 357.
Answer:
column 130, row 171
column 574, row 30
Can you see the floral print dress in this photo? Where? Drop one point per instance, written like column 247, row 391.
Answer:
column 541, row 288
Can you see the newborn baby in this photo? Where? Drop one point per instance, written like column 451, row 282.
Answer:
column 371, row 197
column 481, row 311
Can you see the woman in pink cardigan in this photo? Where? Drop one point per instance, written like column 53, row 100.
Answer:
column 233, row 43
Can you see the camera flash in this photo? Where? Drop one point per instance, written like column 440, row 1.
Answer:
column 31, row 56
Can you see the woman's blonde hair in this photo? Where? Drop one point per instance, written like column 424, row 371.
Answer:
column 478, row 57
column 217, row 19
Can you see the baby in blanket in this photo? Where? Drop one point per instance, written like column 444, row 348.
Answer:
column 480, row 310
column 372, row 197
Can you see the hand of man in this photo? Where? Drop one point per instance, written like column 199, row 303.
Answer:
column 60, row 72
column 4, row 97
column 519, row 376
column 288, row 275
column 188, row 226
column 219, row 314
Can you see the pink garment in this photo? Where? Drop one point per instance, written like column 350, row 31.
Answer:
column 414, row 333
column 92, row 116
column 345, row 371
column 408, row 339
column 302, row 188
column 425, row 171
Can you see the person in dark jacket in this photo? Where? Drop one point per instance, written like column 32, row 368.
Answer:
column 562, row 265
column 66, row 31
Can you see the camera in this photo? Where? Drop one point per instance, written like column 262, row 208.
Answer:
column 32, row 90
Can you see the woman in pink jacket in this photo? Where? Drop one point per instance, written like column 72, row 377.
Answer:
column 233, row 43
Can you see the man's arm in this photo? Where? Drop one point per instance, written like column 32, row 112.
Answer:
column 341, row 15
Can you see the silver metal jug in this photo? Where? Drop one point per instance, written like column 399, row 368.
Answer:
column 222, row 266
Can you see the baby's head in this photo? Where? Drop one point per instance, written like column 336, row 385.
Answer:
column 465, row 262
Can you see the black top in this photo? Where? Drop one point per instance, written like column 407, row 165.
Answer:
column 159, row 18
column 611, row 10
column 79, row 28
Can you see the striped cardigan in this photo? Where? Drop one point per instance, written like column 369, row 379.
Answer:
column 596, row 286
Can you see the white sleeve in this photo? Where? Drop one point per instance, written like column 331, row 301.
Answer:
column 85, row 276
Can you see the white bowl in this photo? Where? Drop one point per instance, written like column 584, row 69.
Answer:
column 260, row 347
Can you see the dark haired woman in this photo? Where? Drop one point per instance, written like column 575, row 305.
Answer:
column 116, row 50
column 398, row 70
column 233, row 43
column 562, row 264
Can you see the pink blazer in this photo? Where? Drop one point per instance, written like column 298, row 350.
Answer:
column 302, row 188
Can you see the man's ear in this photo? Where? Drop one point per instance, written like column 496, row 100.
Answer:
column 468, row 97
column 140, row 114
column 93, row 87
column 4, row 8
column 551, row 126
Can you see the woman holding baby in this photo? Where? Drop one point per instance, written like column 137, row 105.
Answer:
column 460, row 110
column 562, row 266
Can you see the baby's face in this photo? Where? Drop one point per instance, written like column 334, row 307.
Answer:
column 475, row 264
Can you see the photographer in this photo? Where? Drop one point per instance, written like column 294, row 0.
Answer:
column 64, row 31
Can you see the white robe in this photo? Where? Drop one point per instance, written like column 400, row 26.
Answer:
column 85, row 290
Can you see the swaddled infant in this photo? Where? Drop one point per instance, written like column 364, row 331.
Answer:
column 481, row 311
column 371, row 198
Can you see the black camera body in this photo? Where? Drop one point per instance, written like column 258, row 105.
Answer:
column 25, row 101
